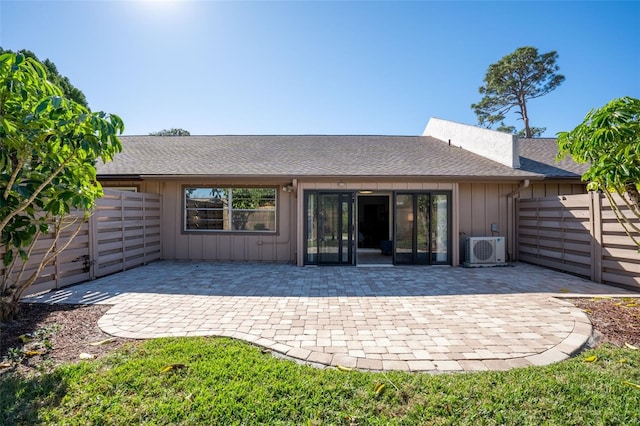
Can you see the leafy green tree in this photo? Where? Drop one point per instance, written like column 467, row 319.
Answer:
column 171, row 132
column 609, row 140
column 69, row 90
column 49, row 145
column 511, row 82
column 535, row 131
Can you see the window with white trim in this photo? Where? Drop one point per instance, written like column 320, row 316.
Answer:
column 230, row 209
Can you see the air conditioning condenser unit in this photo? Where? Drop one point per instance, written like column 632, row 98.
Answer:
column 485, row 251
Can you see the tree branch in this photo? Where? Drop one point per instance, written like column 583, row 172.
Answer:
column 48, row 256
column 618, row 213
column 633, row 210
column 26, row 203
column 24, row 264
column 12, row 179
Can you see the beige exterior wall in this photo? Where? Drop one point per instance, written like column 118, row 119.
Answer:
column 476, row 206
column 221, row 246
column 552, row 189
column 481, row 206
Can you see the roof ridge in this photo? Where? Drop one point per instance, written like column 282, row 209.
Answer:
column 286, row 135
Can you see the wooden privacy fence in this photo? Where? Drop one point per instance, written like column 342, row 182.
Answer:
column 578, row 234
column 123, row 232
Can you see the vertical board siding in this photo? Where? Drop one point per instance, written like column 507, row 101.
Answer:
column 579, row 234
column 479, row 206
column 123, row 232
column 227, row 246
column 547, row 190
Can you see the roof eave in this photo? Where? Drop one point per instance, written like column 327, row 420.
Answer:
column 474, row 178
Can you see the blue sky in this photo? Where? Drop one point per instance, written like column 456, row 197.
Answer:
column 322, row 67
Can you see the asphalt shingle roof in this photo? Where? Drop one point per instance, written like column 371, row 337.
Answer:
column 310, row 156
column 538, row 155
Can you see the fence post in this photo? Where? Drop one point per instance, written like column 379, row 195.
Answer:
column 56, row 264
column 595, row 210
column 144, row 229
column 93, row 241
column 123, row 228
column 515, row 245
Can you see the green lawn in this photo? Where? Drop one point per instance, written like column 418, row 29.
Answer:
column 229, row 382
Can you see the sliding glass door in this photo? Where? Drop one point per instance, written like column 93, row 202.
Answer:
column 440, row 233
column 329, row 228
column 422, row 228
column 405, row 229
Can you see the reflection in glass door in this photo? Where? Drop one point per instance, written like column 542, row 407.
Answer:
column 439, row 228
column 311, row 227
column 329, row 228
column 404, row 228
column 422, row 229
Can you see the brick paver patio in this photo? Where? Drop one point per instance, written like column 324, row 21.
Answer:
column 399, row 318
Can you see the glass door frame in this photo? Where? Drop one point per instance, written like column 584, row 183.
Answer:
column 312, row 222
column 315, row 222
column 430, row 222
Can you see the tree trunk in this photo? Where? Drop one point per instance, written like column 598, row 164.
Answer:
column 525, row 118
column 9, row 305
column 634, row 195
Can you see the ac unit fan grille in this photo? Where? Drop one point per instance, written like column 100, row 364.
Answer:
column 483, row 250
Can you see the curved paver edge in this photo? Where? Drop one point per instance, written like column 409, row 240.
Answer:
column 570, row 346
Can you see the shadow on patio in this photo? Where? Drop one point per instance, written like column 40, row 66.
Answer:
column 281, row 280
